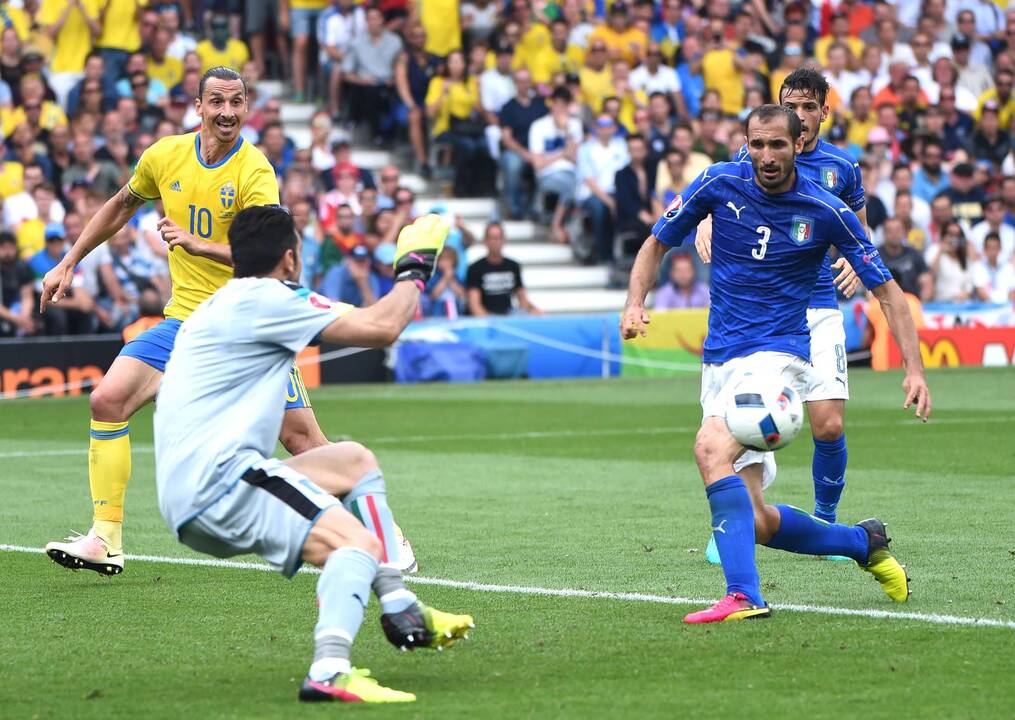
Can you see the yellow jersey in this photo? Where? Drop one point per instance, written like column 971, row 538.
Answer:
column 202, row 199
column 74, row 41
column 169, row 72
column 549, row 61
column 234, row 55
column 121, row 25
column 443, row 26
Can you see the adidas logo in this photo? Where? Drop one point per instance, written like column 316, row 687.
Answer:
column 175, row 186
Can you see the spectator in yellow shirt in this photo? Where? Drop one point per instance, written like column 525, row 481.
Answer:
column 452, row 103
column 721, row 67
column 596, row 77
column 861, row 117
column 299, row 17
column 443, row 24
column 220, row 49
column 558, row 56
column 120, row 36
column 1001, row 94
column 35, row 110
column 623, row 41
column 73, row 25
column 162, row 66
column 840, row 34
column 535, row 36
column 630, row 99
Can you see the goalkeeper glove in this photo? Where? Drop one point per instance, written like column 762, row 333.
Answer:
column 418, row 246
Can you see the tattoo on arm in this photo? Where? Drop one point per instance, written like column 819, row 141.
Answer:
column 129, row 200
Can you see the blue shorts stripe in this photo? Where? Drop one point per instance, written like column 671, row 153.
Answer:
column 108, row 434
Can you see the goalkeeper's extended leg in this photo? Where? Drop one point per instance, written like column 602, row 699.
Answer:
column 348, row 556
column 129, row 384
column 406, row 621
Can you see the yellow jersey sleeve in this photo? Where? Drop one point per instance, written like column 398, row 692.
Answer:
column 259, row 185
column 144, row 183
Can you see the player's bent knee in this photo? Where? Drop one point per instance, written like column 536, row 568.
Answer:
column 711, row 451
column 355, row 459
column 828, row 428
column 108, row 403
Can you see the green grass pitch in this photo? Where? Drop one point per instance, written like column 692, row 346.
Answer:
column 583, row 485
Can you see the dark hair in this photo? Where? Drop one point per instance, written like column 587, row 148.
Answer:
column 636, row 136
column 272, row 125
column 561, row 93
column 259, row 237
column 220, row 72
column 7, row 237
column 94, row 53
column 767, row 113
column 960, row 247
column 991, row 236
column 933, row 141
column 807, row 81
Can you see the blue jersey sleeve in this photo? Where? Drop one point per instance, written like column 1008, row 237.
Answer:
column 850, row 237
column 853, row 194
column 686, row 210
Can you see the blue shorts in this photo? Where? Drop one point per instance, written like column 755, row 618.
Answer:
column 153, row 346
column 302, row 21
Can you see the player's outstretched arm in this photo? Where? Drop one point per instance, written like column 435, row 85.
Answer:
column 107, row 221
column 643, row 276
column 380, row 324
column 900, row 322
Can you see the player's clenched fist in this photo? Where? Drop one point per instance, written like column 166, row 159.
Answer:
column 418, row 246
column 633, row 322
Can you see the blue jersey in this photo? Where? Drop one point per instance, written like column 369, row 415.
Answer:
column 766, row 253
column 837, row 172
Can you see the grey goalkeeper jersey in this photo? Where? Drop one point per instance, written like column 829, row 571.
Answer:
column 220, row 405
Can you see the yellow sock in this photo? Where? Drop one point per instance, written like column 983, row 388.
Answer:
column 108, row 475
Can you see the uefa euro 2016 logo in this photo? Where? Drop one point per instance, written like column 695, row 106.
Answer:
column 227, row 195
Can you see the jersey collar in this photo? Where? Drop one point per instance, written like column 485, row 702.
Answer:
column 225, row 158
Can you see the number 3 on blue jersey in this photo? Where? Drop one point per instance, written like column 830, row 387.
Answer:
column 758, row 253
column 200, row 221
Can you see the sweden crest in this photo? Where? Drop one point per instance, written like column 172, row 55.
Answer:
column 227, row 195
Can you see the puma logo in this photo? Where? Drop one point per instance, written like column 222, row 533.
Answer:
column 736, row 210
column 719, row 527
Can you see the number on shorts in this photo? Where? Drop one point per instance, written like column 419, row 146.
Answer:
column 766, row 233
column 840, row 359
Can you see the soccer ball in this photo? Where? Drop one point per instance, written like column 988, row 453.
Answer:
column 763, row 412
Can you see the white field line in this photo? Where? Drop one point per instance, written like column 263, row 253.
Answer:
column 931, row 618
column 523, row 435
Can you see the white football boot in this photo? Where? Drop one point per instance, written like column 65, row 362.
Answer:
column 86, row 552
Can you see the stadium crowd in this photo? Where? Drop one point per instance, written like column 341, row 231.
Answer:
column 587, row 117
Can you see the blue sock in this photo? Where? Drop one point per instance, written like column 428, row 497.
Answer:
column 368, row 501
column 343, row 591
column 805, row 534
column 733, row 529
column 829, row 472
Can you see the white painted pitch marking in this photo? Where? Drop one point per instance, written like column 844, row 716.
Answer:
column 932, row 618
column 523, row 435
